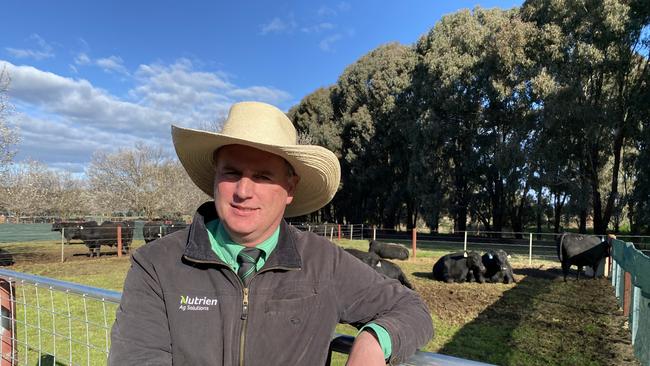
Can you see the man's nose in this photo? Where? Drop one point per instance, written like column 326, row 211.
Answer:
column 244, row 187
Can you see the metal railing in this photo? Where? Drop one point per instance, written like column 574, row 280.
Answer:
column 631, row 282
column 51, row 322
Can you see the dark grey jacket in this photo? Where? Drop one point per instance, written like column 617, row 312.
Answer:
column 182, row 305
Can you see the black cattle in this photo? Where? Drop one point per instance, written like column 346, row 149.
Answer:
column 388, row 250
column 581, row 250
column 387, row 268
column 497, row 267
column 459, row 267
column 94, row 236
column 153, row 230
column 70, row 228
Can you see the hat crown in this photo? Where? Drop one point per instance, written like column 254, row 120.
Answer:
column 259, row 122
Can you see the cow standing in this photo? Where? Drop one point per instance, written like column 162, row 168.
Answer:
column 70, row 228
column 388, row 250
column 153, row 230
column 94, row 236
column 581, row 250
column 497, row 267
column 387, row 268
column 459, row 267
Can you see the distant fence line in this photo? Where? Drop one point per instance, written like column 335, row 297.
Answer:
column 50, row 322
column 631, row 281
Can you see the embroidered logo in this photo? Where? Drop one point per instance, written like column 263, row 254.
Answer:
column 196, row 303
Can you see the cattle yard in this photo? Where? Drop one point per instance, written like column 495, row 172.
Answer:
column 539, row 320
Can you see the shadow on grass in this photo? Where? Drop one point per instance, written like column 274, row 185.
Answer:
column 542, row 321
column 48, row 360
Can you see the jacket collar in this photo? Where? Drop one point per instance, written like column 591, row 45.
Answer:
column 198, row 246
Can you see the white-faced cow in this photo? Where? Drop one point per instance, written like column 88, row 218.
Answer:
column 459, row 267
column 388, row 250
column 387, row 268
column 582, row 250
column 497, row 267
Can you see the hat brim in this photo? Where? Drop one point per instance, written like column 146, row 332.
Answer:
column 318, row 168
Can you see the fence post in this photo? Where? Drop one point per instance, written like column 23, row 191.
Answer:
column 414, row 242
column 7, row 338
column 627, row 293
column 332, row 234
column 465, row 242
column 339, row 232
column 119, row 240
column 351, row 228
column 62, row 248
column 530, row 249
column 374, row 233
column 361, row 231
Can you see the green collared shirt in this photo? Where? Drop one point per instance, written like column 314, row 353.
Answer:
column 227, row 250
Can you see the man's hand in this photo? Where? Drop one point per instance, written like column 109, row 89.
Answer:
column 366, row 351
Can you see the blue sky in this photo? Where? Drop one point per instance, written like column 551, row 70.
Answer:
column 104, row 75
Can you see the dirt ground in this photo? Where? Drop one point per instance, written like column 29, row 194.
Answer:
column 540, row 318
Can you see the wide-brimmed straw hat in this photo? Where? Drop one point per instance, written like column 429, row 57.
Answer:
column 266, row 128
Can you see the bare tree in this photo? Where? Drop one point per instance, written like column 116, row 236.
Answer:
column 8, row 135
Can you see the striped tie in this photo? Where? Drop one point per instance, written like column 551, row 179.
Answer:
column 247, row 260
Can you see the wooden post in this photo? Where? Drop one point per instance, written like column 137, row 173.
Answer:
column 339, row 232
column 414, row 242
column 62, row 241
column 351, row 228
column 627, row 294
column 119, row 240
column 374, row 233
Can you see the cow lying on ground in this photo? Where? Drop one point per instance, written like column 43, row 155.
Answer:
column 497, row 267
column 388, row 250
column 387, row 268
column 582, row 250
column 153, row 230
column 69, row 228
column 94, row 236
column 459, row 267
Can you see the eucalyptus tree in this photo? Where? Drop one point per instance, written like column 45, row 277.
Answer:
column 373, row 103
column 8, row 135
column 592, row 50
column 314, row 120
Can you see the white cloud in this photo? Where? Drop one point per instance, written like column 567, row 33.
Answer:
column 43, row 50
column 318, row 28
column 326, row 44
column 63, row 120
column 112, row 64
column 279, row 26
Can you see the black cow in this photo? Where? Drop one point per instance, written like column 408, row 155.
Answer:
column 581, row 250
column 94, row 236
column 459, row 267
column 70, row 228
column 388, row 250
column 497, row 267
column 387, row 268
column 153, row 230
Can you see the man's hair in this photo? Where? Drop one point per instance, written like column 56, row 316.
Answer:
column 290, row 171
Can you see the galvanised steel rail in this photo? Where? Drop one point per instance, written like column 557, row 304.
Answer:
column 84, row 332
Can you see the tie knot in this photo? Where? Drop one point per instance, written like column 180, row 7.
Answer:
column 249, row 255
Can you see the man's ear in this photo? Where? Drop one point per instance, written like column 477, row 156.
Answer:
column 292, row 183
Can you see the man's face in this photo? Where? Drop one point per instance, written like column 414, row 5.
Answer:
column 251, row 191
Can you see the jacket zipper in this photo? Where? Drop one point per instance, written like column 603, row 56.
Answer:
column 244, row 314
column 245, row 304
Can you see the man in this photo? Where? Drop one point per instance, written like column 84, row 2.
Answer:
column 240, row 286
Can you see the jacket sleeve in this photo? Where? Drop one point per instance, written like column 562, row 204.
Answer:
column 366, row 296
column 140, row 334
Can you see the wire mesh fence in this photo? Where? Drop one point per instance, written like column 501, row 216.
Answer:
column 51, row 322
